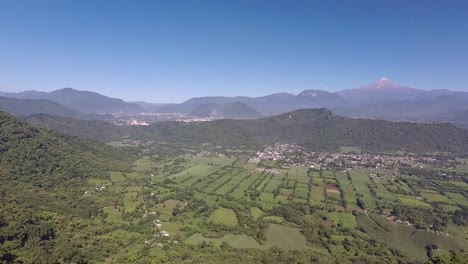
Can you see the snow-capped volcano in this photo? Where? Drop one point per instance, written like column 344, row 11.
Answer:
column 381, row 90
column 382, row 84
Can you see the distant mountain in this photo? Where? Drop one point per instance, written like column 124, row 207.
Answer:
column 26, row 107
column 416, row 109
column 82, row 101
column 190, row 105
column 321, row 98
column 382, row 90
column 382, row 99
column 149, row 107
column 269, row 104
column 227, row 110
column 91, row 102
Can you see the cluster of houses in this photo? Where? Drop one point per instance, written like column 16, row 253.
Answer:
column 279, row 151
column 294, row 155
column 160, row 234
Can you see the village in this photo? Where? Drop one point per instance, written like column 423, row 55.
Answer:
column 288, row 155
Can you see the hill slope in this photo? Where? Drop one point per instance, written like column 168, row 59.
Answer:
column 317, row 129
column 89, row 129
column 43, row 176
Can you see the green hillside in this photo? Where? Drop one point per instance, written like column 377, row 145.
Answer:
column 42, row 180
column 317, row 129
column 89, row 129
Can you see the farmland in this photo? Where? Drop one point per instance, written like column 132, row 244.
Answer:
column 245, row 203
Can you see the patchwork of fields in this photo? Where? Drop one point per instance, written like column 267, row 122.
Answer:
column 249, row 204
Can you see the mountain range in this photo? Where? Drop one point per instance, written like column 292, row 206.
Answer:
column 83, row 101
column 227, row 110
column 382, row 99
column 26, row 107
column 269, row 104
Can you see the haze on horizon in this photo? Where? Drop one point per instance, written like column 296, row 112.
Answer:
column 170, row 51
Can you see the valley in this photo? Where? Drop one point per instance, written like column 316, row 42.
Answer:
column 146, row 196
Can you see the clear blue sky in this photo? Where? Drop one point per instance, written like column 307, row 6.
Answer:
column 169, row 51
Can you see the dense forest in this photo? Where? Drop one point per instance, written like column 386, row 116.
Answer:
column 42, row 176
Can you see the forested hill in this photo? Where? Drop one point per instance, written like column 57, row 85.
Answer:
column 89, row 129
column 316, row 129
column 44, row 172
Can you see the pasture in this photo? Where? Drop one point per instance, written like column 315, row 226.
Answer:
column 224, row 216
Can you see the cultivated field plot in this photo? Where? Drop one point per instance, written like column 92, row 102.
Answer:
column 214, row 161
column 383, row 195
column 298, row 174
column 317, row 195
column 348, row 189
column 224, row 216
column 235, row 241
column 458, row 198
column 344, row 219
column 361, row 183
column 412, row 201
column 118, row 177
column 434, row 197
column 405, row 238
column 240, row 162
column 284, row 237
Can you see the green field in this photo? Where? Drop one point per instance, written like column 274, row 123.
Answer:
column 361, row 183
column 256, row 212
column 131, row 201
column 284, row 237
column 117, row 177
column 412, row 201
column 434, row 197
column 224, row 216
column 273, row 219
column 344, row 219
column 458, row 198
column 236, row 241
column 113, row 215
column 317, row 196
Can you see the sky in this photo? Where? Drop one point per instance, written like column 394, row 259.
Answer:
column 170, row 51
